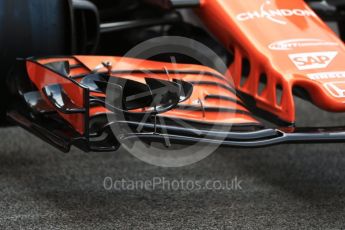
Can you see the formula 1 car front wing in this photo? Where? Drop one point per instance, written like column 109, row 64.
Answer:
column 89, row 102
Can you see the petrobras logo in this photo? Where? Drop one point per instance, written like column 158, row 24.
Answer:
column 274, row 15
column 292, row 44
column 314, row 60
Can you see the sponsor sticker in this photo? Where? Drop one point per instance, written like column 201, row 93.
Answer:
column 326, row 75
column 336, row 89
column 274, row 15
column 292, row 44
column 314, row 60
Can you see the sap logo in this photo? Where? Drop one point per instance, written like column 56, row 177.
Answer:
column 274, row 15
column 315, row 60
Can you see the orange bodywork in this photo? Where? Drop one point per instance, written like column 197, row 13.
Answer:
column 236, row 113
column 287, row 46
column 42, row 77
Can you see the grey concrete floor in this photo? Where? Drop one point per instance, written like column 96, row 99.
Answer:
column 290, row 186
